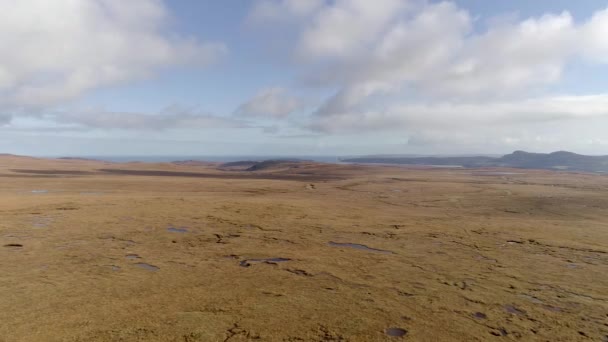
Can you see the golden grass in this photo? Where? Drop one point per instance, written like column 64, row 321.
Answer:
column 476, row 256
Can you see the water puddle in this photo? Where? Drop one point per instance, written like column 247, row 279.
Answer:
column 148, row 267
column 396, row 332
column 480, row 315
column 41, row 222
column 538, row 301
column 359, row 246
column 247, row 262
column 485, row 258
column 500, row 332
column 132, row 256
column 177, row 229
column 92, row 193
column 531, row 299
column 496, row 173
column 513, row 310
column 552, row 308
column 39, row 191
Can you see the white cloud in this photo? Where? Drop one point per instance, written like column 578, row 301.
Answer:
column 270, row 103
column 592, row 37
column 54, row 51
column 473, row 116
column 434, row 52
column 426, row 69
column 510, row 58
column 346, row 27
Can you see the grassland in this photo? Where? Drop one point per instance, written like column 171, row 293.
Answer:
column 96, row 251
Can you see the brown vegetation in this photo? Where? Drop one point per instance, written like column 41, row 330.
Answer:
column 95, row 251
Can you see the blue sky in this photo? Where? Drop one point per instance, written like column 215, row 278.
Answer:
column 302, row 77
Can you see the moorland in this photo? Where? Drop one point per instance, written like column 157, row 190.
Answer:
column 299, row 251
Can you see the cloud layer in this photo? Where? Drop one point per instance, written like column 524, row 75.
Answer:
column 411, row 72
column 271, row 103
column 172, row 117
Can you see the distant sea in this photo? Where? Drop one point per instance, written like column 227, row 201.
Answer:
column 219, row 159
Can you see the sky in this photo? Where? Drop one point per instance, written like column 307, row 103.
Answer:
column 302, row 77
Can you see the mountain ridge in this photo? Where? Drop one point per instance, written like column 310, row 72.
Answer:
column 558, row 160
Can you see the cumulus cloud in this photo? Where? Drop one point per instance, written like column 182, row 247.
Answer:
column 415, row 65
column 54, row 51
column 270, row 103
column 511, row 58
column 346, row 27
column 592, row 37
column 433, row 51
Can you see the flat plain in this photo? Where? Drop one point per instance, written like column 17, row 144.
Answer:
column 95, row 251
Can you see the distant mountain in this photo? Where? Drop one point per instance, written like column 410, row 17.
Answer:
column 561, row 160
column 190, row 162
column 77, row 159
column 251, row 165
column 242, row 163
column 275, row 163
column 439, row 161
